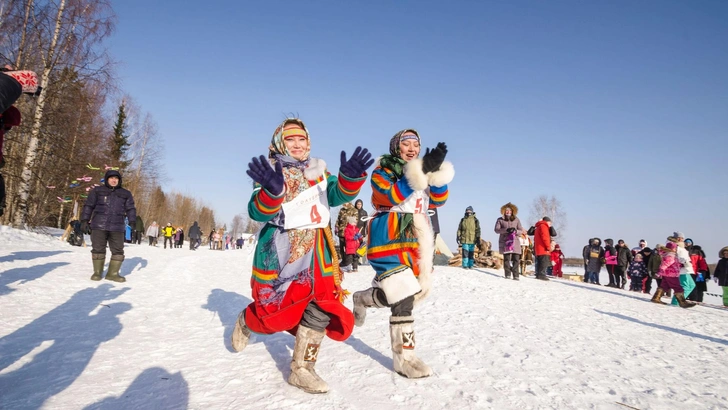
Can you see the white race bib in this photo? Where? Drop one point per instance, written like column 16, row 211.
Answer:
column 417, row 203
column 310, row 209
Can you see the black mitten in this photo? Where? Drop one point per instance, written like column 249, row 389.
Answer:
column 432, row 159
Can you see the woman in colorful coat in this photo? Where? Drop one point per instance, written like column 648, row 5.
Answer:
column 400, row 245
column 296, row 284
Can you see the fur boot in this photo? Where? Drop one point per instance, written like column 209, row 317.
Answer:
column 656, row 297
column 305, row 353
column 681, row 300
column 362, row 300
column 114, row 268
column 406, row 362
column 98, row 260
column 241, row 333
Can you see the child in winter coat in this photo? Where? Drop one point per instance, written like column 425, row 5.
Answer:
column 670, row 274
column 637, row 272
column 721, row 273
column 557, row 261
column 352, row 236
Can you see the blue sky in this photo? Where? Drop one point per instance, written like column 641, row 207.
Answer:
column 619, row 108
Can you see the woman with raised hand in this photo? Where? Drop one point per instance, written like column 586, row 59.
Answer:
column 296, row 284
column 400, row 247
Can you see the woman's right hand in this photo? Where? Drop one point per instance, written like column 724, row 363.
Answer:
column 268, row 177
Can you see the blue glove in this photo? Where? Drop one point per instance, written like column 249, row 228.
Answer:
column 261, row 172
column 700, row 278
column 360, row 160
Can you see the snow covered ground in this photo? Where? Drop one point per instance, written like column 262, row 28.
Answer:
column 161, row 341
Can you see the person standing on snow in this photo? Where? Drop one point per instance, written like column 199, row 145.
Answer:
column 594, row 255
column 557, row 261
column 195, row 235
column 152, row 232
column 701, row 271
column 669, row 272
column 624, row 258
column 296, row 283
column 508, row 226
column 401, row 242
column 686, row 266
column 168, row 231
column 721, row 273
column 342, row 220
column 542, row 246
column 468, row 237
column 138, row 231
column 106, row 208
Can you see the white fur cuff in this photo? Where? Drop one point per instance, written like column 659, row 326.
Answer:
column 442, row 176
column 416, row 179
column 399, row 285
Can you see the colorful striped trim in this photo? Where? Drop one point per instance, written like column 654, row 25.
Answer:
column 439, row 195
column 266, row 203
column 351, row 186
column 265, row 277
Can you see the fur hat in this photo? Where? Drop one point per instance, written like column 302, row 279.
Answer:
column 351, row 220
column 514, row 209
column 722, row 251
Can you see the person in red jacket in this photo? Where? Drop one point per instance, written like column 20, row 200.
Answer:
column 557, row 261
column 542, row 246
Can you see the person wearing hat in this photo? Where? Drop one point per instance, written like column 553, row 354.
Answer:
column 168, row 231
column 557, row 261
column 701, row 271
column 401, row 241
column 542, row 246
column 296, row 282
column 508, row 227
column 669, row 273
column 468, row 237
column 721, row 273
column 624, row 258
column 686, row 265
column 638, row 249
column 105, row 209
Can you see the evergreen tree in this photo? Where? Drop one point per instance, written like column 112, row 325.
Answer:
column 120, row 139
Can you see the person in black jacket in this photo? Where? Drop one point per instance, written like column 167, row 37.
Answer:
column 195, row 235
column 624, row 258
column 106, row 207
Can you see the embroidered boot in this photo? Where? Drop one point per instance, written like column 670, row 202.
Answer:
column 406, row 362
column 362, row 300
column 241, row 333
column 98, row 260
column 305, row 353
column 656, row 297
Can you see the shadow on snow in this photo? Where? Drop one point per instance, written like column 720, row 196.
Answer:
column 663, row 327
column 29, row 255
column 129, row 265
column 227, row 306
column 154, row 388
column 74, row 335
column 25, row 275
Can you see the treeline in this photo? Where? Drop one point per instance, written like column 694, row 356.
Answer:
column 81, row 123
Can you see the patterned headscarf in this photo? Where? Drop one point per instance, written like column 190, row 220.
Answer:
column 394, row 142
column 277, row 146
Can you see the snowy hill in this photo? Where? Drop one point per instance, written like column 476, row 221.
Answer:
column 161, row 341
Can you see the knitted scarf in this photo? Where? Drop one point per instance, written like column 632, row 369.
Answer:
column 396, row 165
